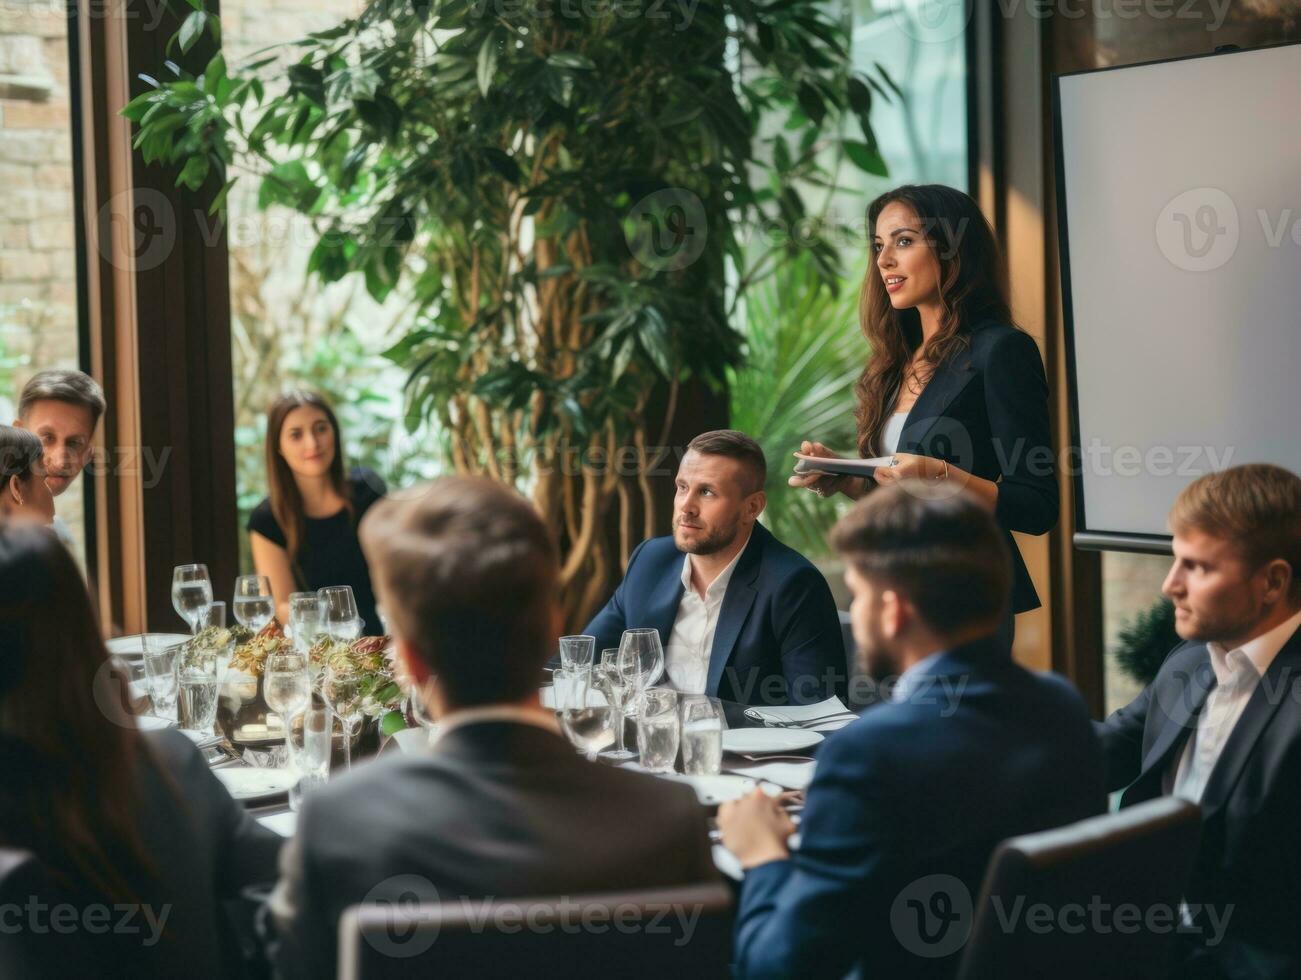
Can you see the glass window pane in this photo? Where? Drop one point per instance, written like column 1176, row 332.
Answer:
column 38, row 268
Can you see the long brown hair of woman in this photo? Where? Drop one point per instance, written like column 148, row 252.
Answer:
column 286, row 501
column 973, row 287
column 72, row 751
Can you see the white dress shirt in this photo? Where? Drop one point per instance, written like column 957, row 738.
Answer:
column 1237, row 673
column 686, row 659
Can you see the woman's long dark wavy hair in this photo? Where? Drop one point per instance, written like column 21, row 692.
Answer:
column 973, row 287
column 282, row 488
column 70, row 752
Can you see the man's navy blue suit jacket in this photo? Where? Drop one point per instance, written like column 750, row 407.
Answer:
column 778, row 638
column 916, row 795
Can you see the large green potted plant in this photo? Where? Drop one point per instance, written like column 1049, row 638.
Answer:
column 560, row 195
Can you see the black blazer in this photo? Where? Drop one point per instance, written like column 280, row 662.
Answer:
column 1251, row 807
column 205, row 849
column 985, row 410
column 496, row 808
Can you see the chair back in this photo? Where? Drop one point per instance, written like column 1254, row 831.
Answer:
column 1097, row 897
column 678, row 932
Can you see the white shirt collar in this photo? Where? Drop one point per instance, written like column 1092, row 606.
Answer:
column 719, row 585
column 1259, row 653
column 537, row 716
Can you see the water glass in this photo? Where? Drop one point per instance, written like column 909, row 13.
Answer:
column 191, row 593
column 576, row 651
column 610, row 657
column 702, row 735
column 197, row 683
column 213, row 615
column 342, row 621
column 160, row 674
column 309, row 747
column 306, row 619
column 659, row 729
column 254, row 605
column 286, row 686
column 586, row 715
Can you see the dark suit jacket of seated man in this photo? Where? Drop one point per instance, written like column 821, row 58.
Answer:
column 979, row 750
column 778, row 638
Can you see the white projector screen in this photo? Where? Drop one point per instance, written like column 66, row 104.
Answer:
column 1179, row 185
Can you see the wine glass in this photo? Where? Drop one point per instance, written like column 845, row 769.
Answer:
column 609, row 681
column 650, row 654
column 287, row 689
column 191, row 593
column 341, row 619
column 312, row 757
column 306, row 619
column 586, row 715
column 254, row 606
column 342, row 689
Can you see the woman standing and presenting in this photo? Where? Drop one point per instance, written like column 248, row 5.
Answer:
column 952, row 390
column 304, row 534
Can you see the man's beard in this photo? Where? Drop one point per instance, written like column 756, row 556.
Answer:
column 713, row 543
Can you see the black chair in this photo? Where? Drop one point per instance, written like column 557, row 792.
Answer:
column 674, row 932
column 1049, row 904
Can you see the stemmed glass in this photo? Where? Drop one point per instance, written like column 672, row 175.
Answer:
column 254, row 606
column 191, row 593
column 342, row 690
column 287, row 688
column 313, row 756
column 586, row 714
column 645, row 643
column 341, row 619
column 607, row 679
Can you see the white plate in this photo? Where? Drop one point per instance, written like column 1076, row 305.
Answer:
column 754, row 741
column 713, row 790
column 152, row 723
column 246, row 783
column 131, row 646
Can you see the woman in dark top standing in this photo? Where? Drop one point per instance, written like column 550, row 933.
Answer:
column 304, row 534
column 96, row 815
column 952, row 390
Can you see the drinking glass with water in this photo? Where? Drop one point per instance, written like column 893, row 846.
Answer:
column 702, row 735
column 310, row 746
column 196, row 688
column 160, row 655
column 658, row 729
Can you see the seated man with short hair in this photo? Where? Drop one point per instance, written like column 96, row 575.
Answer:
column 741, row 616
column 1220, row 725
column 908, row 802
column 502, row 805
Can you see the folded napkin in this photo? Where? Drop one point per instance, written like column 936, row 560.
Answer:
column 825, row 716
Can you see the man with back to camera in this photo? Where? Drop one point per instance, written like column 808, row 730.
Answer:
column 740, row 615
column 1220, row 724
column 62, row 407
column 970, row 749
column 501, row 805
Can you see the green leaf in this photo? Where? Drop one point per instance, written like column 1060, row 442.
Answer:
column 503, row 163
column 192, row 29
column 567, row 59
column 194, row 173
column 866, row 158
column 390, row 722
column 487, row 63
column 214, row 75
column 219, row 201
